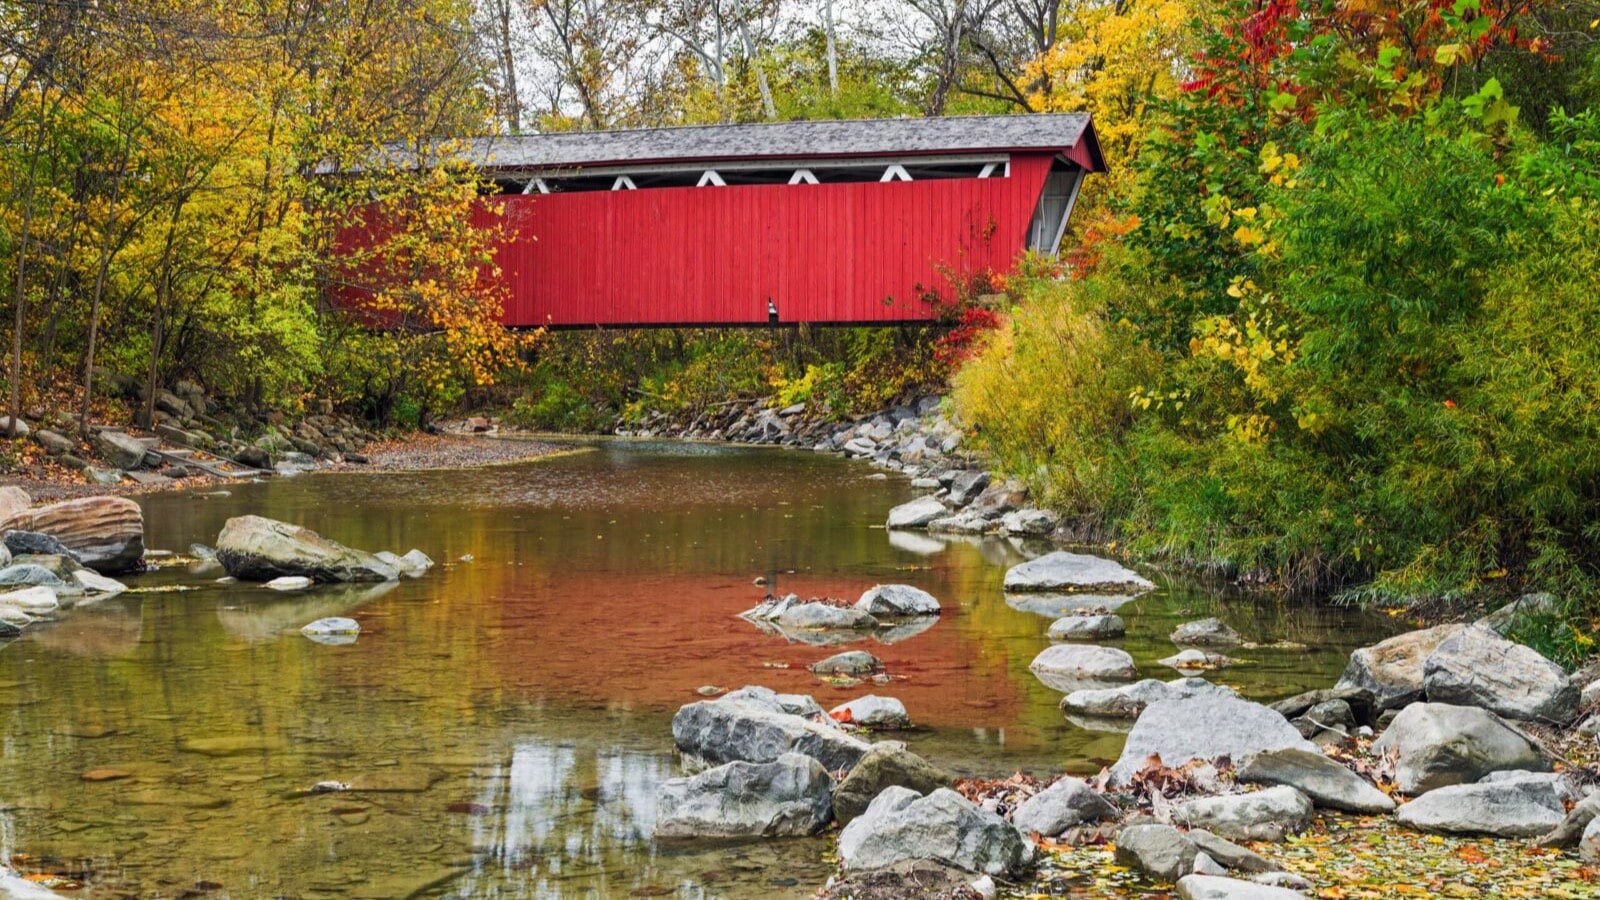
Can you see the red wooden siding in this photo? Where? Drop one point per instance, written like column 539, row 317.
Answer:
column 853, row 252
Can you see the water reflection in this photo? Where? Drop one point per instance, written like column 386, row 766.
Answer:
column 502, row 722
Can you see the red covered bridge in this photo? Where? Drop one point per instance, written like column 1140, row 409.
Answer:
column 826, row 222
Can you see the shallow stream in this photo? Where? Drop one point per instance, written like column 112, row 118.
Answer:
column 504, row 720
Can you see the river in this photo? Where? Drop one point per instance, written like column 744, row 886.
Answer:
column 505, row 719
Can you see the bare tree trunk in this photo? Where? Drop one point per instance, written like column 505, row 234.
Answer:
column 767, row 105
column 101, row 270
column 13, row 426
column 949, row 61
column 147, row 416
column 508, row 67
column 833, row 48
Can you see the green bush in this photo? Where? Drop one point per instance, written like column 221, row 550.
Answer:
column 1382, row 382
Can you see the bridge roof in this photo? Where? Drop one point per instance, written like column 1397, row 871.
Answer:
column 1056, row 132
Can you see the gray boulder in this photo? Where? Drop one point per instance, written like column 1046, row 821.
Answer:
column 1058, row 605
column 1392, row 670
column 1068, row 803
column 1070, row 667
column 1206, row 726
column 1031, row 522
column 1230, row 854
column 967, row 486
column 1160, row 851
column 53, row 443
column 1087, row 627
column 788, row 797
column 1589, row 844
column 1212, row 887
column 872, row 711
column 253, row 548
column 1437, row 745
column 917, row 514
column 1510, row 808
column 1359, row 701
column 1265, row 815
column 897, row 601
column 1326, row 782
column 1065, row 572
column 966, row 522
column 29, row 575
column 902, row 825
column 1575, row 825
column 1128, row 701
column 752, row 725
column 1206, row 633
column 887, row 764
column 34, row 543
column 38, row 600
column 824, row 617
column 411, row 565
column 1477, row 667
column 851, row 662
column 120, row 450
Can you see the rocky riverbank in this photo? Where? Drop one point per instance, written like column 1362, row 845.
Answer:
column 1483, row 769
column 407, row 452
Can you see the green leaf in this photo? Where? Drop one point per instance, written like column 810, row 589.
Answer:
column 1388, row 56
column 1447, row 54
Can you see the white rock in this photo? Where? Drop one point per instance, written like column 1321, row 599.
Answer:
column 1206, row 726
column 1265, row 815
column 1067, row 803
column 289, row 583
column 897, row 600
column 1128, row 701
column 1211, row 887
column 916, row 514
column 334, row 626
column 873, row 711
column 1094, row 626
column 1071, row 667
column 95, row 583
column 1437, row 744
column 1514, row 808
column 35, row 601
column 1028, row 522
column 1477, row 667
column 1075, row 572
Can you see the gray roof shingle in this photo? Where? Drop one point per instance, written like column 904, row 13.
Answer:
column 783, row 140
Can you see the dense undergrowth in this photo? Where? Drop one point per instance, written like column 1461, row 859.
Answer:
column 1341, row 335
